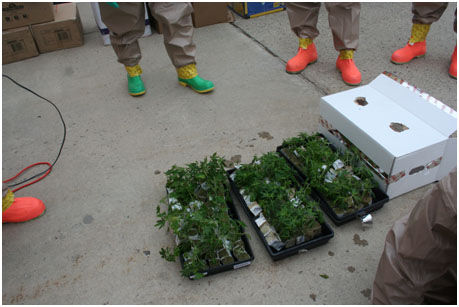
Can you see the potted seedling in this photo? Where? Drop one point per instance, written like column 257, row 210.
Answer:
column 282, row 211
column 342, row 180
column 200, row 213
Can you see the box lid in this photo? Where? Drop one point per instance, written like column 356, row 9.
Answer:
column 398, row 119
column 432, row 111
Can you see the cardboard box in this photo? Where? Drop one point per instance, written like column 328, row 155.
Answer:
column 19, row 14
column 105, row 32
column 18, row 44
column 255, row 9
column 64, row 32
column 402, row 132
column 210, row 13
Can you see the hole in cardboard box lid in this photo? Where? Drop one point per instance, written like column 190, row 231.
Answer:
column 361, row 101
column 398, row 127
column 416, row 169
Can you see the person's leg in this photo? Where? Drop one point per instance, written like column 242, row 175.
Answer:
column 344, row 21
column 175, row 18
column 424, row 14
column 419, row 260
column 127, row 25
column 427, row 13
column 303, row 18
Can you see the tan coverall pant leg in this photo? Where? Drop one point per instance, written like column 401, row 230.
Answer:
column 419, row 261
column 127, row 25
column 427, row 12
column 343, row 18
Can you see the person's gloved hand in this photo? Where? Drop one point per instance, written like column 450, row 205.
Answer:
column 113, row 4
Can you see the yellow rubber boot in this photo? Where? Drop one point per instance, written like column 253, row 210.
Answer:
column 135, row 83
column 304, row 42
column 418, row 33
column 188, row 76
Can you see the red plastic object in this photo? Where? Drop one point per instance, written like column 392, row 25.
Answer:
column 23, row 209
column 301, row 60
column 409, row 52
column 453, row 65
column 349, row 72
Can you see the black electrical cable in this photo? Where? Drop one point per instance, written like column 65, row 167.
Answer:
column 63, row 124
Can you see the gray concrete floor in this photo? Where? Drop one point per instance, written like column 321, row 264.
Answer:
column 97, row 243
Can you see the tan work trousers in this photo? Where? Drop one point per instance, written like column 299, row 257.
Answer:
column 419, row 261
column 343, row 18
column 127, row 25
column 429, row 12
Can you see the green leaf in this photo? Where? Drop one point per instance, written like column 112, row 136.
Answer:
column 167, row 254
column 160, row 223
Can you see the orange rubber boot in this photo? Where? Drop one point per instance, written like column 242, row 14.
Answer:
column 416, row 46
column 409, row 52
column 453, row 65
column 349, row 72
column 304, row 57
column 23, row 209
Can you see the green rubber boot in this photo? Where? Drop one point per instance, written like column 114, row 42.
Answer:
column 135, row 83
column 188, row 76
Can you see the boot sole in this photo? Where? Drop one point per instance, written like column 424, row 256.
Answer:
column 299, row 71
column 137, row 94
column 43, row 213
column 452, row 76
column 351, row 84
column 197, row 91
column 400, row 63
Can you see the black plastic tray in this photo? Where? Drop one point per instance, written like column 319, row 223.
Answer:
column 327, row 232
column 379, row 199
column 237, row 264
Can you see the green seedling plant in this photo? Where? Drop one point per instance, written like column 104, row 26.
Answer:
column 197, row 213
column 349, row 188
column 286, row 205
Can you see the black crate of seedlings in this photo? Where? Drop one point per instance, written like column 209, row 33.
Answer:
column 209, row 234
column 285, row 217
column 342, row 181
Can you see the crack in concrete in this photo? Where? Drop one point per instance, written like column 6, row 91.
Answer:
column 322, row 90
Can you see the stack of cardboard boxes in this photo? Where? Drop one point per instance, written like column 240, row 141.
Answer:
column 31, row 28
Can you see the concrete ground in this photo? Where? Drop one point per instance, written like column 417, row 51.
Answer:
column 97, row 243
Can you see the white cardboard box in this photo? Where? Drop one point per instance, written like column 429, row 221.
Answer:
column 403, row 159
column 105, row 33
